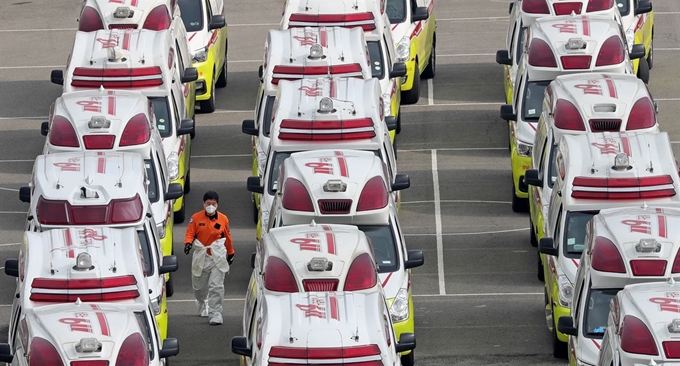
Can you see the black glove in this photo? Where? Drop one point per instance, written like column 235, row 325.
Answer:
column 230, row 258
column 187, row 247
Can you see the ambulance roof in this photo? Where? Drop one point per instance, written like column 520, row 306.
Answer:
column 116, row 14
column 93, row 264
column 322, row 257
column 341, row 13
column 534, row 9
column 93, row 186
column 309, row 52
column 606, row 102
column 610, row 169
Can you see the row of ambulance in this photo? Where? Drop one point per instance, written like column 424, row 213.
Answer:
column 93, row 270
column 597, row 176
column 331, row 280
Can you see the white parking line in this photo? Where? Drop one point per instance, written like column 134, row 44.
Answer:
column 221, row 156
column 438, row 224
column 9, row 244
column 12, row 212
column 470, row 233
column 467, row 54
column 455, row 201
column 39, row 30
column 455, row 149
column 471, row 19
column 430, row 92
column 8, row 189
column 17, row 161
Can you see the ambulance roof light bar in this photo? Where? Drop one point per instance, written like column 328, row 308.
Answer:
column 316, row 52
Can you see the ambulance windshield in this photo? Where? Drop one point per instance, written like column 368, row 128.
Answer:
column 162, row 115
column 533, row 100
column 596, row 312
column 192, row 14
column 384, row 246
column 396, row 11
column 623, row 6
column 575, row 233
column 376, row 58
column 151, row 176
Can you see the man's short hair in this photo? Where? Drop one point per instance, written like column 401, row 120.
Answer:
column 211, row 195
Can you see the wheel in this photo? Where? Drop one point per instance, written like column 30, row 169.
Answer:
column 208, row 106
column 408, row 360
column 398, row 130
column 412, row 96
column 187, row 183
column 169, row 287
column 539, row 272
column 532, row 234
column 394, row 147
column 650, row 56
column 192, row 134
column 431, row 66
column 222, row 80
column 255, row 213
column 643, row 70
column 179, row 215
column 559, row 348
column 519, row 204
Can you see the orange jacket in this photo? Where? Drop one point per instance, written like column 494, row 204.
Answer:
column 207, row 230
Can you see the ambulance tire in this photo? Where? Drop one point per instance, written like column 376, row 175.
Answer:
column 222, row 80
column 430, row 70
column 650, row 57
column 412, row 96
column 180, row 215
column 169, row 287
column 519, row 204
column 187, row 183
column 192, row 134
column 532, row 234
column 394, row 147
column 398, row 130
column 256, row 216
column 208, row 106
column 643, row 70
column 408, row 360
column 539, row 272
column 559, row 348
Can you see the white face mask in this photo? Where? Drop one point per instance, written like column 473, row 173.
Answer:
column 210, row 209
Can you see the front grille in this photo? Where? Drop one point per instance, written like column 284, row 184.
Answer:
column 605, row 125
column 320, row 285
column 122, row 26
column 335, row 206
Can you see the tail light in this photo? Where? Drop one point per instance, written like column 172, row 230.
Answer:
column 623, row 188
column 51, row 212
column 126, row 210
column 642, row 115
column 43, row 353
column 320, row 285
column 110, row 78
column 133, row 352
column 296, row 197
column 136, row 132
column 158, row 19
column 350, row 129
column 672, row 349
column 362, row 274
column 535, row 7
column 540, row 53
column 90, row 363
column 283, row 72
column 599, row 5
column 61, row 212
column 96, row 289
column 676, row 263
column 90, row 20
column 644, row 267
column 567, row 8
column 636, row 337
column 99, row 142
column 568, row 117
column 605, row 257
column 278, row 276
column 62, row 133
column 576, row 62
column 611, row 52
column 367, row 351
column 363, row 20
column 374, row 196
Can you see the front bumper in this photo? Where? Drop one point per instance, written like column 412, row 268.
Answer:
column 558, row 311
column 205, row 83
column 519, row 164
column 406, row 326
column 162, row 320
column 410, row 74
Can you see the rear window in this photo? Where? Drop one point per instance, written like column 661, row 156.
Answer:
column 384, row 246
column 533, row 100
column 192, row 14
column 161, row 111
column 575, row 233
column 597, row 312
column 376, row 58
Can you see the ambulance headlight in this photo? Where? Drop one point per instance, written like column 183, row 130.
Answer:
column 404, row 49
column 630, row 39
column 200, row 55
column 524, row 149
column 173, row 166
column 566, row 290
column 160, row 229
column 387, row 104
column 156, row 304
column 399, row 309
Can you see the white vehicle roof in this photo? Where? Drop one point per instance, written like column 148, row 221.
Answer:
column 612, row 169
column 569, row 44
column 326, row 325
column 341, row 13
column 340, row 52
column 347, row 183
column 633, row 244
column 95, row 188
column 602, row 102
column 86, row 263
column 119, row 14
column 534, row 9
column 320, row 257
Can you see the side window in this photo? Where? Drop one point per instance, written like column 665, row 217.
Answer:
column 541, row 161
column 557, row 238
column 251, row 328
column 258, row 105
column 388, row 62
column 15, row 326
column 400, row 237
column 177, row 116
column 164, row 184
column 390, row 160
column 576, row 304
column 210, row 11
column 180, row 62
column 267, row 117
column 520, row 43
column 517, row 90
column 512, row 40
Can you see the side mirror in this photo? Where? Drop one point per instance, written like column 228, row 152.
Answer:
column 644, row 6
column 254, row 185
column 5, row 353
column 190, row 74
column 186, row 127
column 531, row 178
column 239, row 346
column 57, row 77
column 637, row 52
column 174, row 192
column 170, row 264
column 252, row 259
column 419, row 13
column 401, row 182
column 217, row 21
column 565, row 324
column 510, row 8
column 415, row 259
column 503, row 58
column 407, row 342
column 170, row 348
column 12, row 267
column 391, row 123
column 507, row 113
column 260, row 72
column 545, row 246
column 44, row 128
column 25, row 194
column 248, row 127
column 398, row 70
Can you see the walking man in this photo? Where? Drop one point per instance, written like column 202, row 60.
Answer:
column 208, row 233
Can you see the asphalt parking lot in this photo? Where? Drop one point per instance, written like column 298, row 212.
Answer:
column 477, row 298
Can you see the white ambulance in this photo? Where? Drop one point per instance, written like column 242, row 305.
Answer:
column 320, row 113
column 579, row 104
column 155, row 63
column 583, row 44
column 121, row 121
column 643, row 326
column 597, row 171
column 152, row 15
column 368, row 15
column 637, row 19
column 624, row 246
column 88, row 334
column 351, row 187
column 514, row 49
column 346, row 328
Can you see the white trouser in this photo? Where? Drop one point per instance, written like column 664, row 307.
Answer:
column 210, row 284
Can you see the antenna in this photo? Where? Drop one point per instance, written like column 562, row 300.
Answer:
column 120, row 177
column 356, row 5
column 592, row 168
column 307, row 5
column 115, row 267
column 649, row 152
